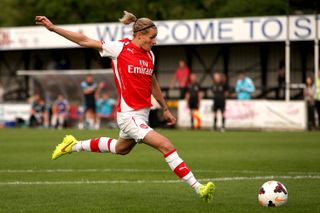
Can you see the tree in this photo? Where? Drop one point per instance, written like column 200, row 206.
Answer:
column 22, row 12
column 238, row 8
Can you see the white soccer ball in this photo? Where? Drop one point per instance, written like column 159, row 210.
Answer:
column 272, row 194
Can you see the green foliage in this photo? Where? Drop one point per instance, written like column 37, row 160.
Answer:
column 253, row 8
column 22, row 12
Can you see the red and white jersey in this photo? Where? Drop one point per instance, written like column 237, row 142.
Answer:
column 133, row 69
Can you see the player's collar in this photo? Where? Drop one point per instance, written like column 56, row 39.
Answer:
column 137, row 48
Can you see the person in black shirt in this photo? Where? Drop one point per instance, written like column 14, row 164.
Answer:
column 193, row 97
column 220, row 92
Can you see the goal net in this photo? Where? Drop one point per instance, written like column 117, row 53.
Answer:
column 50, row 83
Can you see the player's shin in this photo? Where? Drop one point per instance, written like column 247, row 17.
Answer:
column 179, row 167
column 103, row 144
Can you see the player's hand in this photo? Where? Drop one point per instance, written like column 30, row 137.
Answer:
column 44, row 21
column 171, row 120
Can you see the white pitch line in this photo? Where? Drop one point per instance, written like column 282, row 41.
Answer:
column 146, row 170
column 154, row 181
column 76, row 170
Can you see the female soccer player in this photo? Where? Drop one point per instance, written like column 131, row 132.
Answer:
column 133, row 64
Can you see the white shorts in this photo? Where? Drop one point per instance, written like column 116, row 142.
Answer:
column 134, row 124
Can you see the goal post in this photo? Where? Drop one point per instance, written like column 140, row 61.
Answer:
column 51, row 83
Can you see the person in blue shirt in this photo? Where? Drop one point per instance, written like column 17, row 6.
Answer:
column 244, row 87
column 105, row 108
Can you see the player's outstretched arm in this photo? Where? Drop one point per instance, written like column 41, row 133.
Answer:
column 156, row 92
column 75, row 37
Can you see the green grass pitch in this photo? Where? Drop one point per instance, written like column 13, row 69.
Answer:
column 238, row 162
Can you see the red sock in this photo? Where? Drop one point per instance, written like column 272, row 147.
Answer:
column 103, row 144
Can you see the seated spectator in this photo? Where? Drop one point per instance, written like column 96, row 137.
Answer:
column 37, row 112
column 60, row 109
column 105, row 110
column 244, row 87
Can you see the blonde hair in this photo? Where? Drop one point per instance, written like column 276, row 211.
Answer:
column 140, row 25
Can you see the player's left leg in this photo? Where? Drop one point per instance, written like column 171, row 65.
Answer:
column 105, row 144
column 102, row 144
column 177, row 165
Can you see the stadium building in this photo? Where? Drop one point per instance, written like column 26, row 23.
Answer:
column 261, row 46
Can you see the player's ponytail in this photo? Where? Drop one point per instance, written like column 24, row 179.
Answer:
column 140, row 25
column 128, row 18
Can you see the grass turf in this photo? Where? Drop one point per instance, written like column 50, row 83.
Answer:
column 25, row 157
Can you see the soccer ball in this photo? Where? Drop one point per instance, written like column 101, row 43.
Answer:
column 272, row 194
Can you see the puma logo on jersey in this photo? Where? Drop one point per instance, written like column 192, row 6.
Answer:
column 130, row 50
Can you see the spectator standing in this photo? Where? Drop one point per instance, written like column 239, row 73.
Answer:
column 317, row 98
column 281, row 80
column 309, row 93
column 220, row 92
column 89, row 88
column 193, row 98
column 60, row 109
column 181, row 78
column 244, row 87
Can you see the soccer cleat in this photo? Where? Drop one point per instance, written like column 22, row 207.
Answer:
column 206, row 191
column 65, row 147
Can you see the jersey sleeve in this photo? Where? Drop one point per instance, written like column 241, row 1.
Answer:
column 111, row 49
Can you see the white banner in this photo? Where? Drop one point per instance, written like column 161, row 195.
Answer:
column 10, row 112
column 278, row 115
column 202, row 31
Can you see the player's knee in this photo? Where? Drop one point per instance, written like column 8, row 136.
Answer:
column 123, row 151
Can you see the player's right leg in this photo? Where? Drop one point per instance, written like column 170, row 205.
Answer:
column 177, row 165
column 103, row 144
